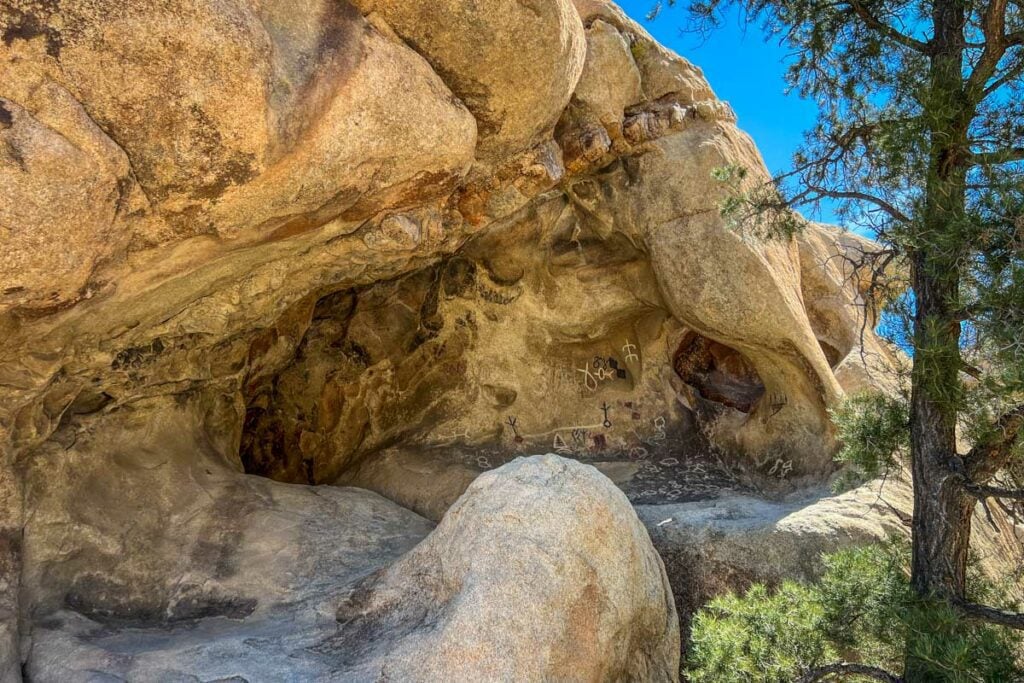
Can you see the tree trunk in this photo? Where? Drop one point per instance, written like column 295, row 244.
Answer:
column 942, row 510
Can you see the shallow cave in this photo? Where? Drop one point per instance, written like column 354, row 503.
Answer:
column 719, row 373
column 334, row 410
column 366, row 373
column 286, row 407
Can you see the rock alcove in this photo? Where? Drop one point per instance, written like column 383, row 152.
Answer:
column 314, row 314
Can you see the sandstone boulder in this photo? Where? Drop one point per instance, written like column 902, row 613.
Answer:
column 57, row 171
column 514, row 64
column 148, row 557
column 835, row 276
column 234, row 117
column 714, row 547
column 688, row 240
column 611, row 81
column 663, row 73
column 539, row 572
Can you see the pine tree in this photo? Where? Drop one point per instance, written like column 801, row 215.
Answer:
column 920, row 135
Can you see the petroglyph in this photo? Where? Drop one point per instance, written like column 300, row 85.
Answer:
column 630, row 351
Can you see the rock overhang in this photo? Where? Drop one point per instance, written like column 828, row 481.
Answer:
column 329, row 245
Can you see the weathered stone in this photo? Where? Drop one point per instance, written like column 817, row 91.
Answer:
column 514, row 64
column 64, row 184
column 836, row 281
column 246, row 593
column 393, row 247
column 663, row 73
column 711, row 548
column 426, row 485
column 540, row 571
column 150, row 557
column 687, row 238
column 610, row 81
column 235, row 117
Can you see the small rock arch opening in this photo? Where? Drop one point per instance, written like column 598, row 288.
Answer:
column 719, row 373
column 832, row 354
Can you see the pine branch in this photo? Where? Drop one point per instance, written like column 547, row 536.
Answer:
column 812, row 174
column 878, row 202
column 1012, row 73
column 876, row 24
column 997, row 42
column 990, row 615
column 982, row 492
column 972, row 371
column 846, row 669
column 998, row 157
column 987, row 458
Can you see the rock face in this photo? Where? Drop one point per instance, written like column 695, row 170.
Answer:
column 385, row 243
column 514, row 64
column 150, row 558
column 372, row 233
column 574, row 592
column 541, row 571
column 726, row 545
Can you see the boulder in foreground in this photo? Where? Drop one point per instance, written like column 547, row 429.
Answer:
column 541, row 571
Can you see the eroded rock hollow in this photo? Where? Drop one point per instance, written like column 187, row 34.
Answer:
column 279, row 281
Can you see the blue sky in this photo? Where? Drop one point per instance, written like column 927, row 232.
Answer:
column 748, row 73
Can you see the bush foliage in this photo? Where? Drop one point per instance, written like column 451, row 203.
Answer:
column 874, row 430
column 861, row 610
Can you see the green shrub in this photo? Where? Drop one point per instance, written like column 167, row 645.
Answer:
column 862, row 592
column 638, row 49
column 862, row 610
column 761, row 636
column 874, row 433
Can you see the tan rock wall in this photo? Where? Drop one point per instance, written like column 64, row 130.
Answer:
column 326, row 241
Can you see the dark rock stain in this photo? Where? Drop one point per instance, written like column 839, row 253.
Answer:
column 135, row 357
column 236, row 168
column 26, row 25
column 6, row 117
column 315, row 79
column 113, row 604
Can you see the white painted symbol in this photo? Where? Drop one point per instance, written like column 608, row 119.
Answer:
column 630, row 350
column 560, row 446
column 780, row 468
column 659, row 430
column 589, row 381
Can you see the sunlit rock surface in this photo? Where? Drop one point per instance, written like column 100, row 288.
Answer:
column 385, row 245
